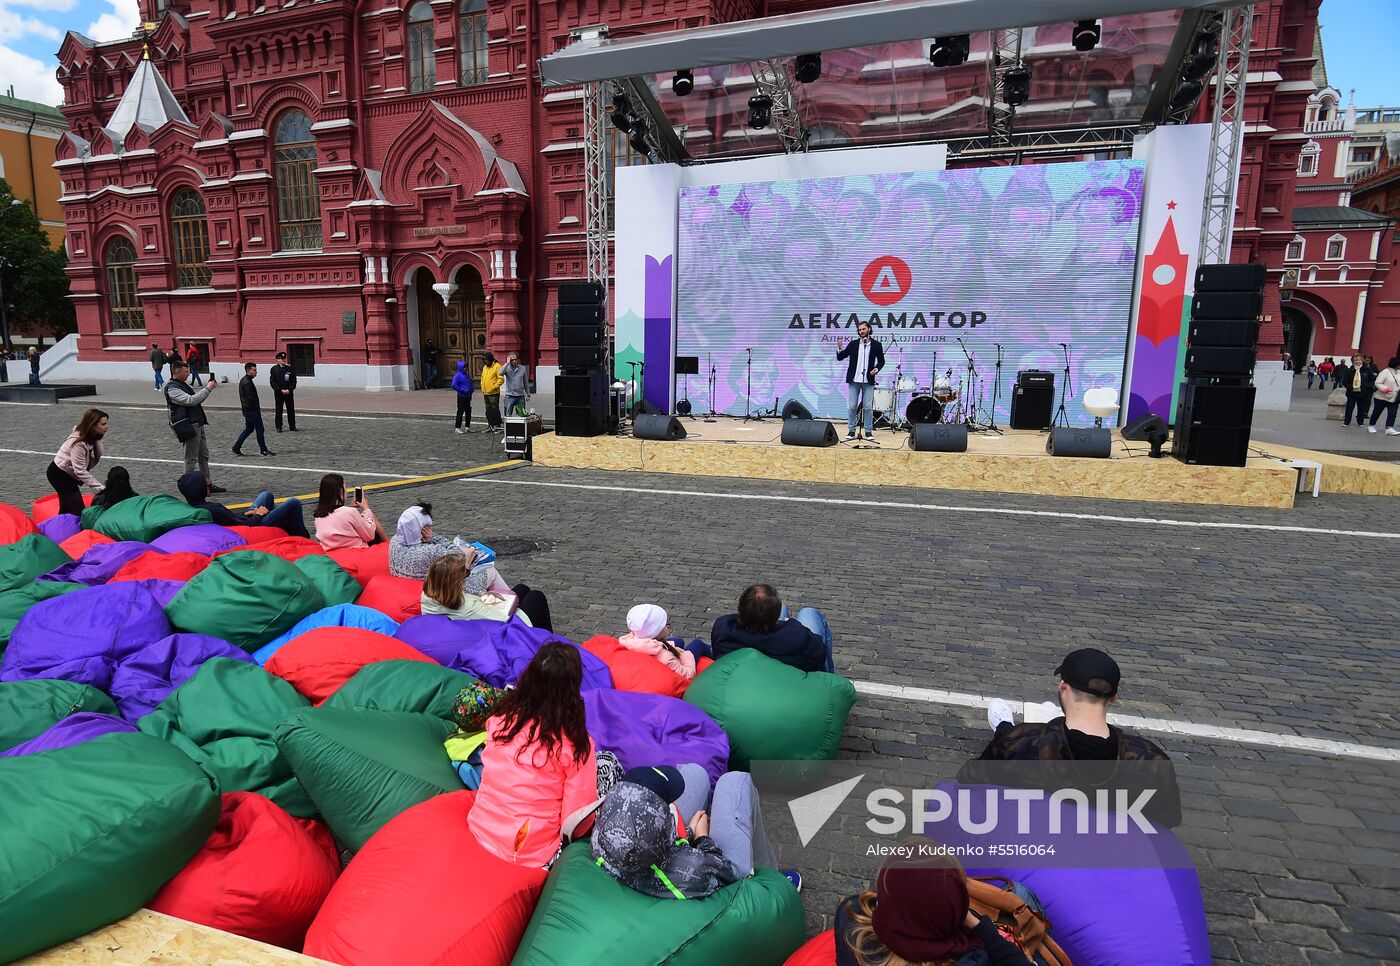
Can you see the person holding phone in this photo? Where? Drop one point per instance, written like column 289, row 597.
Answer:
column 345, row 527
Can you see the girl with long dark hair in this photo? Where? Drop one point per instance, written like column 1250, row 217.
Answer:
column 72, row 465
column 116, row 489
column 342, row 527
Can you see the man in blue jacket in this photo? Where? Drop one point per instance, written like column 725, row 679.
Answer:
column 462, row 383
column 865, row 358
column 762, row 623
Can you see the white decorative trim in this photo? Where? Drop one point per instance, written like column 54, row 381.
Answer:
column 331, row 125
column 247, row 135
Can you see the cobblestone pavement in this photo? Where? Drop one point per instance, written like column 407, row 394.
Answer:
column 1286, row 631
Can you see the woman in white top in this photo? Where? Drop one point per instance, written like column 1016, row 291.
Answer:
column 1387, row 397
column 72, row 465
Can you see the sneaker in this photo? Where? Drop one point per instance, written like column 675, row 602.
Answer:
column 267, row 452
column 1370, row 429
column 1392, row 431
column 999, row 713
column 237, row 451
column 869, row 435
column 295, row 430
column 851, row 434
column 794, row 877
column 279, row 429
column 458, row 431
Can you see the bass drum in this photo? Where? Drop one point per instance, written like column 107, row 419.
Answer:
column 924, row 409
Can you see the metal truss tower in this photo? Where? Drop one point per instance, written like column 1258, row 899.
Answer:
column 1226, row 135
column 772, row 79
column 1005, row 53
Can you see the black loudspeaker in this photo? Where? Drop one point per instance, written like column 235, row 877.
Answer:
column 1219, row 361
column 1227, row 305
column 1241, row 333
column 1231, row 406
column 939, row 438
column 586, row 334
column 580, row 314
column 1031, row 406
column 581, row 293
column 808, row 432
column 1074, row 441
column 581, row 389
column 1145, row 426
column 580, row 356
column 1211, row 445
column 687, row 365
column 579, row 420
column 1230, row 278
column 657, row 426
column 795, row 410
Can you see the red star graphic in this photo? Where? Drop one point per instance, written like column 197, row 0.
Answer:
column 1171, row 206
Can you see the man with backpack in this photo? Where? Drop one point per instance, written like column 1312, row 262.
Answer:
column 187, row 418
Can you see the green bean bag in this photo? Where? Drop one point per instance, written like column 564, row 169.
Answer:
column 224, row 718
column 29, row 557
column 402, row 686
column 99, row 828
column 29, row 708
column 330, row 578
column 144, row 518
column 90, row 515
column 14, row 604
column 362, row 768
column 771, row 711
column 586, row 917
column 245, row 598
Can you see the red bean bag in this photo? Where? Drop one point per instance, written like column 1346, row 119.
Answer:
column 423, row 890
column 820, row 950
column 46, row 507
column 155, row 565
column 632, row 671
column 397, row 598
column 362, row 563
column 262, row 873
column 286, row 547
column 15, row 525
column 318, row 662
column 77, row 545
column 258, row 534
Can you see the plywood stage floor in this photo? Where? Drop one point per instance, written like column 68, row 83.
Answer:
column 1013, row 461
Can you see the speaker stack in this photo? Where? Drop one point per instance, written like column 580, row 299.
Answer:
column 581, row 388
column 1033, row 399
column 1215, row 408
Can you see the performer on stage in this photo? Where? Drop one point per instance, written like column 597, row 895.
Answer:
column 866, row 357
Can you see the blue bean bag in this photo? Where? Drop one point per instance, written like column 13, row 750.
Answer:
column 340, row 615
column 98, row 564
column 205, row 538
column 29, row 708
column 494, row 651
column 654, row 729
column 72, row 730
column 60, row 527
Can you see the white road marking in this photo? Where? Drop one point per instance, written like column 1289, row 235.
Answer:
column 251, row 462
column 1189, row 729
column 944, row 508
column 305, row 415
column 6, row 402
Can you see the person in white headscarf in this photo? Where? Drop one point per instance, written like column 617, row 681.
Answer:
column 649, row 631
column 413, row 547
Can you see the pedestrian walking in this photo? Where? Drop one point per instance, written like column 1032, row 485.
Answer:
column 187, row 418
column 173, row 356
column 1324, row 370
column 517, row 387
column 1312, row 372
column 196, row 361
column 1387, row 397
column 252, row 411
column 284, row 387
column 491, row 382
column 158, row 361
column 72, row 465
column 1359, row 380
column 33, row 366
column 430, row 357
column 462, row 383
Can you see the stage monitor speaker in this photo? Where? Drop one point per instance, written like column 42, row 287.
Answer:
column 581, row 389
column 581, row 356
column 1087, row 441
column 1206, row 405
column 579, row 420
column 1227, row 305
column 1241, row 333
column 1230, row 278
column 580, row 314
column 1212, row 445
column 808, row 432
column 1032, row 406
column 1219, row 361
column 587, row 334
column 582, row 293
column 657, row 426
column 1144, row 426
column 793, row 409
column 939, row 438
column 687, row 365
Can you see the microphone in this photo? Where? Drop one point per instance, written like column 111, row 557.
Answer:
column 1064, row 345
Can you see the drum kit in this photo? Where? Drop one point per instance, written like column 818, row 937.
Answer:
column 934, row 402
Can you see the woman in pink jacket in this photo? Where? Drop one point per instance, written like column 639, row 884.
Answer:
column 341, row 527
column 539, row 767
column 649, row 631
column 72, row 465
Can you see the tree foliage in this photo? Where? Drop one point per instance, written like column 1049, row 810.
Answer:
column 32, row 272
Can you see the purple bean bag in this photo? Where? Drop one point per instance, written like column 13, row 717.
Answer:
column 205, row 538
column 163, row 591
column 340, row 615
column 72, row 730
column 99, row 563
column 143, row 677
column 654, row 729
column 59, row 528
column 494, row 651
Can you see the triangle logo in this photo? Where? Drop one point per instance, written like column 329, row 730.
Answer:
column 811, row 811
column 885, row 281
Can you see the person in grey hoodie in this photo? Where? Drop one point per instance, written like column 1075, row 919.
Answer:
column 186, row 408
column 516, row 388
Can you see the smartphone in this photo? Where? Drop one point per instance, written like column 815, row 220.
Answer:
column 359, row 494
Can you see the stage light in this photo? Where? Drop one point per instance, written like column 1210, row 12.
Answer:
column 760, row 111
column 1186, row 95
column 807, row 68
column 1203, row 58
column 950, row 51
column 621, row 108
column 683, row 83
column 620, row 121
column 1016, row 84
column 1086, row 35
column 639, row 138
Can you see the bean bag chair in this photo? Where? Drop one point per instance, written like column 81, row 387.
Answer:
column 14, row 604
column 90, row 515
column 79, row 544
column 205, row 538
column 47, row 506
column 60, row 527
column 398, row 598
column 287, row 547
column 494, row 651
column 772, row 711
column 224, row 718
column 632, row 671
column 820, row 950
column 245, row 598
column 257, row 534
column 163, row 591
column 362, row 768
column 29, row 708
column 320, row 661
column 72, row 730
column 423, row 890
column 362, row 563
column 86, row 844
column 99, row 564
column 585, row 916
column 27, row 558
column 336, row 586
column 14, row 524
column 145, row 518
column 652, row 729
column 155, row 565
column 262, row 874
column 426, row 688
column 339, row 615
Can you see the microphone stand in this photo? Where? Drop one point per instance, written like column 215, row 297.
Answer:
column 970, row 412
column 996, row 392
column 631, row 399
column 896, row 420
column 749, row 414
column 709, row 361
column 1065, row 389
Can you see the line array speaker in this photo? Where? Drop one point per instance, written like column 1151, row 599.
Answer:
column 1241, row 333
column 1230, row 278
column 587, row 334
column 580, row 356
column 581, row 314
column 658, row 426
column 1227, row 305
column 939, row 438
column 808, row 432
column 1219, row 360
column 581, row 293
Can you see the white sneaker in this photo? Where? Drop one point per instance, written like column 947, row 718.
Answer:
column 999, row 713
column 1370, row 429
column 1392, row 431
column 458, row 431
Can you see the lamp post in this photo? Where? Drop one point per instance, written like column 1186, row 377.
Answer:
column 5, row 314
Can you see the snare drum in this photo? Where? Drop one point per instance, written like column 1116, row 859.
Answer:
column 906, row 385
column 945, row 394
column 884, row 399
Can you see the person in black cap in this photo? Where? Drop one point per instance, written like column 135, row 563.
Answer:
column 284, row 386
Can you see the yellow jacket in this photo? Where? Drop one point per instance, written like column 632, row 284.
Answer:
column 491, row 379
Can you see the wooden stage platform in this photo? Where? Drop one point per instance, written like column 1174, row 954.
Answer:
column 1012, row 462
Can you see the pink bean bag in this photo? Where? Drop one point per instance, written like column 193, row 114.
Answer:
column 397, row 598
column 318, row 662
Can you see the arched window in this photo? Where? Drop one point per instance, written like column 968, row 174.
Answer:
column 471, row 36
column 191, row 233
column 422, row 67
column 1336, row 247
column 121, row 286
column 298, row 199
column 1307, row 159
column 1295, row 250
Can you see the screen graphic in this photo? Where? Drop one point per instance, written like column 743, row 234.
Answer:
column 1029, row 257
